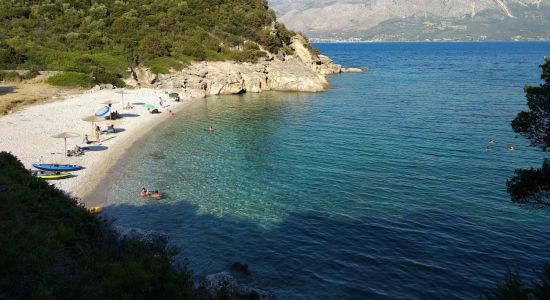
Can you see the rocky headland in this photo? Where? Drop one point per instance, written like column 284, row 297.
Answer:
column 303, row 71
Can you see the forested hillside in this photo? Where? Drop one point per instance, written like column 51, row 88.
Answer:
column 101, row 39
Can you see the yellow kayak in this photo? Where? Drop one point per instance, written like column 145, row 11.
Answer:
column 50, row 175
column 95, row 209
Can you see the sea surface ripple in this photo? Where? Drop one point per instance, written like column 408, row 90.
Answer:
column 380, row 188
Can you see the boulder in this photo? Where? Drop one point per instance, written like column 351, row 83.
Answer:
column 320, row 64
column 214, row 284
column 226, row 84
column 156, row 241
column 144, row 75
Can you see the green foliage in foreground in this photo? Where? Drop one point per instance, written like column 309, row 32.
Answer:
column 533, row 185
column 514, row 288
column 106, row 37
column 71, row 79
column 52, row 248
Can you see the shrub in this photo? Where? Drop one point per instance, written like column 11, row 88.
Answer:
column 71, row 79
column 152, row 46
column 11, row 76
column 53, row 248
column 287, row 51
column 162, row 65
column 247, row 55
column 251, row 46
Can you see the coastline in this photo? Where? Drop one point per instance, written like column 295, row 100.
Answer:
column 86, row 193
column 28, row 134
column 29, row 131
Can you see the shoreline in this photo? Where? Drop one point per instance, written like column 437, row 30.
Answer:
column 86, row 193
column 28, row 134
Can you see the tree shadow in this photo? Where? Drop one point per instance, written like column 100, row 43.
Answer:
column 6, row 90
column 428, row 254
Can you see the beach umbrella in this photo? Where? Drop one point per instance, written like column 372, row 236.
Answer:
column 148, row 106
column 110, row 101
column 92, row 119
column 65, row 136
column 121, row 92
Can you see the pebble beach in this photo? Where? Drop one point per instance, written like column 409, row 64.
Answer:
column 27, row 133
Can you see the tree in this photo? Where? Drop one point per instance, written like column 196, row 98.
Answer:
column 152, row 46
column 513, row 288
column 533, row 185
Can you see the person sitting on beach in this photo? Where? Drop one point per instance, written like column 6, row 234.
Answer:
column 75, row 152
column 111, row 128
column 86, row 140
column 115, row 115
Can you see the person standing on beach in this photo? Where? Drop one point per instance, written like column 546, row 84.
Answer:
column 97, row 132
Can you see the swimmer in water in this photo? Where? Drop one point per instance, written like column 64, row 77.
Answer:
column 491, row 141
column 210, row 129
column 511, row 147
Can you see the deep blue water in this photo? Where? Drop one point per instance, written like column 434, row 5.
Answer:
column 380, row 188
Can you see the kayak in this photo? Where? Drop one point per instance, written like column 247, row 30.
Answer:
column 50, row 174
column 56, row 167
column 102, row 111
column 95, row 209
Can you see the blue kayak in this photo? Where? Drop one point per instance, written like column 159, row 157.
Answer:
column 55, row 167
column 102, row 111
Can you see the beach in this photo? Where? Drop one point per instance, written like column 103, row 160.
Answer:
column 27, row 133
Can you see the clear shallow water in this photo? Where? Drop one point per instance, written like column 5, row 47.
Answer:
column 379, row 188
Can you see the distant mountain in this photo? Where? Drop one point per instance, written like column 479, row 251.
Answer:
column 417, row 19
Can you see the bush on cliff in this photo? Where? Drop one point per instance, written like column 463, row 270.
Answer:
column 53, row 248
column 71, row 79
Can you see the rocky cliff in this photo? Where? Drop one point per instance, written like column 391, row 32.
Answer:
column 417, row 19
column 302, row 71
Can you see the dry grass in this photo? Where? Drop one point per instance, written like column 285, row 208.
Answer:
column 16, row 95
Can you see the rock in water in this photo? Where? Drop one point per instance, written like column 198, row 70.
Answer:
column 240, row 268
column 223, row 283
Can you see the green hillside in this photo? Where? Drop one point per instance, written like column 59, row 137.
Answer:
column 103, row 38
column 52, row 248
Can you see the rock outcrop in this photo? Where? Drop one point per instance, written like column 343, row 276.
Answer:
column 224, row 283
column 303, row 71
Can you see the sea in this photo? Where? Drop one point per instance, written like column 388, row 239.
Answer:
column 383, row 187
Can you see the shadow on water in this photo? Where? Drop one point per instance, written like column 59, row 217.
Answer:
column 429, row 254
column 6, row 90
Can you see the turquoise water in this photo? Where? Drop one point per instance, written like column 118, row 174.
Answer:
column 380, row 188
